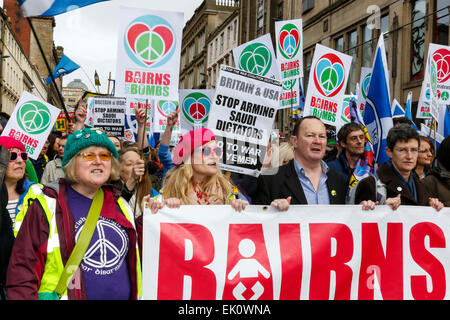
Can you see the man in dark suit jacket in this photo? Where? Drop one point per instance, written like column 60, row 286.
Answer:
column 401, row 182
column 306, row 179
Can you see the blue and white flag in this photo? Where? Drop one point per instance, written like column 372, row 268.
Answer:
column 396, row 109
column 408, row 113
column 377, row 112
column 64, row 66
column 443, row 127
column 49, row 8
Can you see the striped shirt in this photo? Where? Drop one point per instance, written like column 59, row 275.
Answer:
column 11, row 207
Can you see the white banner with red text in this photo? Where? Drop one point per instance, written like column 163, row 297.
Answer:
column 308, row 252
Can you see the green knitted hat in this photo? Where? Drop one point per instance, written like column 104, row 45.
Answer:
column 87, row 137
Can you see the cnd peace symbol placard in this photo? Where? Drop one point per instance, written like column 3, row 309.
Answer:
column 31, row 123
column 195, row 106
column 289, row 45
column 257, row 57
column 327, row 84
column 148, row 54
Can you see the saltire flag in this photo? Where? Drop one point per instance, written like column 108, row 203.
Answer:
column 408, row 113
column 444, row 120
column 64, row 66
column 396, row 109
column 377, row 112
column 49, row 8
column 365, row 165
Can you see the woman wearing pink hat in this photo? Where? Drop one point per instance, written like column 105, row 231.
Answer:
column 15, row 179
column 196, row 177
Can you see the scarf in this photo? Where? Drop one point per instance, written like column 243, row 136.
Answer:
column 211, row 195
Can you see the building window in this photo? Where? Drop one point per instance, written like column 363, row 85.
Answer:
column 418, row 30
column 352, row 51
column 384, row 24
column 307, row 5
column 366, row 57
column 235, row 30
column 210, row 52
column 216, row 45
column 339, row 44
column 280, row 10
column 441, row 23
column 221, row 42
column 260, row 17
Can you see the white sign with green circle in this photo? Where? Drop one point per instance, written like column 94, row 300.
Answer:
column 31, row 123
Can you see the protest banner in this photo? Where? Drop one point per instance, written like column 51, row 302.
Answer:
column 162, row 109
column 108, row 114
column 61, row 121
column 257, row 57
column 289, row 44
column 327, row 83
column 148, row 55
column 31, row 122
column 434, row 104
column 439, row 58
column 241, row 118
column 363, row 88
column 131, row 125
column 308, row 252
column 423, row 106
column 345, row 114
column 195, row 106
column 289, row 97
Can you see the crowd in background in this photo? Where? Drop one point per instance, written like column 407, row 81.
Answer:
column 72, row 169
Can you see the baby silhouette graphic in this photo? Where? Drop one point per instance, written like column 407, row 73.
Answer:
column 248, row 268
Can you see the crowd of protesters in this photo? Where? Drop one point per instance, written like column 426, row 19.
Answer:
column 47, row 203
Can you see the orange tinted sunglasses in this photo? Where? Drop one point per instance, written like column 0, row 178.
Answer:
column 90, row 156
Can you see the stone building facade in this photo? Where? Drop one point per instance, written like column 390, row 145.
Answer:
column 207, row 17
column 44, row 27
column 17, row 72
column 220, row 45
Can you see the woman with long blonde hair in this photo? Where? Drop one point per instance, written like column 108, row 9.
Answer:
column 196, row 177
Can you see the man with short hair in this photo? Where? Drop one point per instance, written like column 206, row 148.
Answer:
column 54, row 170
column 351, row 139
column 306, row 179
column 398, row 174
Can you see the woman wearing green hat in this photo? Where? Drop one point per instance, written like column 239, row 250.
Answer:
column 78, row 239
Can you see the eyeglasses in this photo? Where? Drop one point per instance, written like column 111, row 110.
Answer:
column 15, row 155
column 206, row 151
column 425, row 151
column 90, row 156
column 406, row 150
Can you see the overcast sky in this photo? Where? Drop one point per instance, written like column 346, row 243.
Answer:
column 89, row 35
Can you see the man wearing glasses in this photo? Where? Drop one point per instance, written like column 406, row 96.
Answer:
column 398, row 176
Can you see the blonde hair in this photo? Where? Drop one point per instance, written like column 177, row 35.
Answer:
column 286, row 153
column 178, row 183
column 71, row 175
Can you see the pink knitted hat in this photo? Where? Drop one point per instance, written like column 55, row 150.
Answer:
column 10, row 142
column 189, row 142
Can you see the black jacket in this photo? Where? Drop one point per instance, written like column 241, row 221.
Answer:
column 6, row 228
column 286, row 183
column 366, row 188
